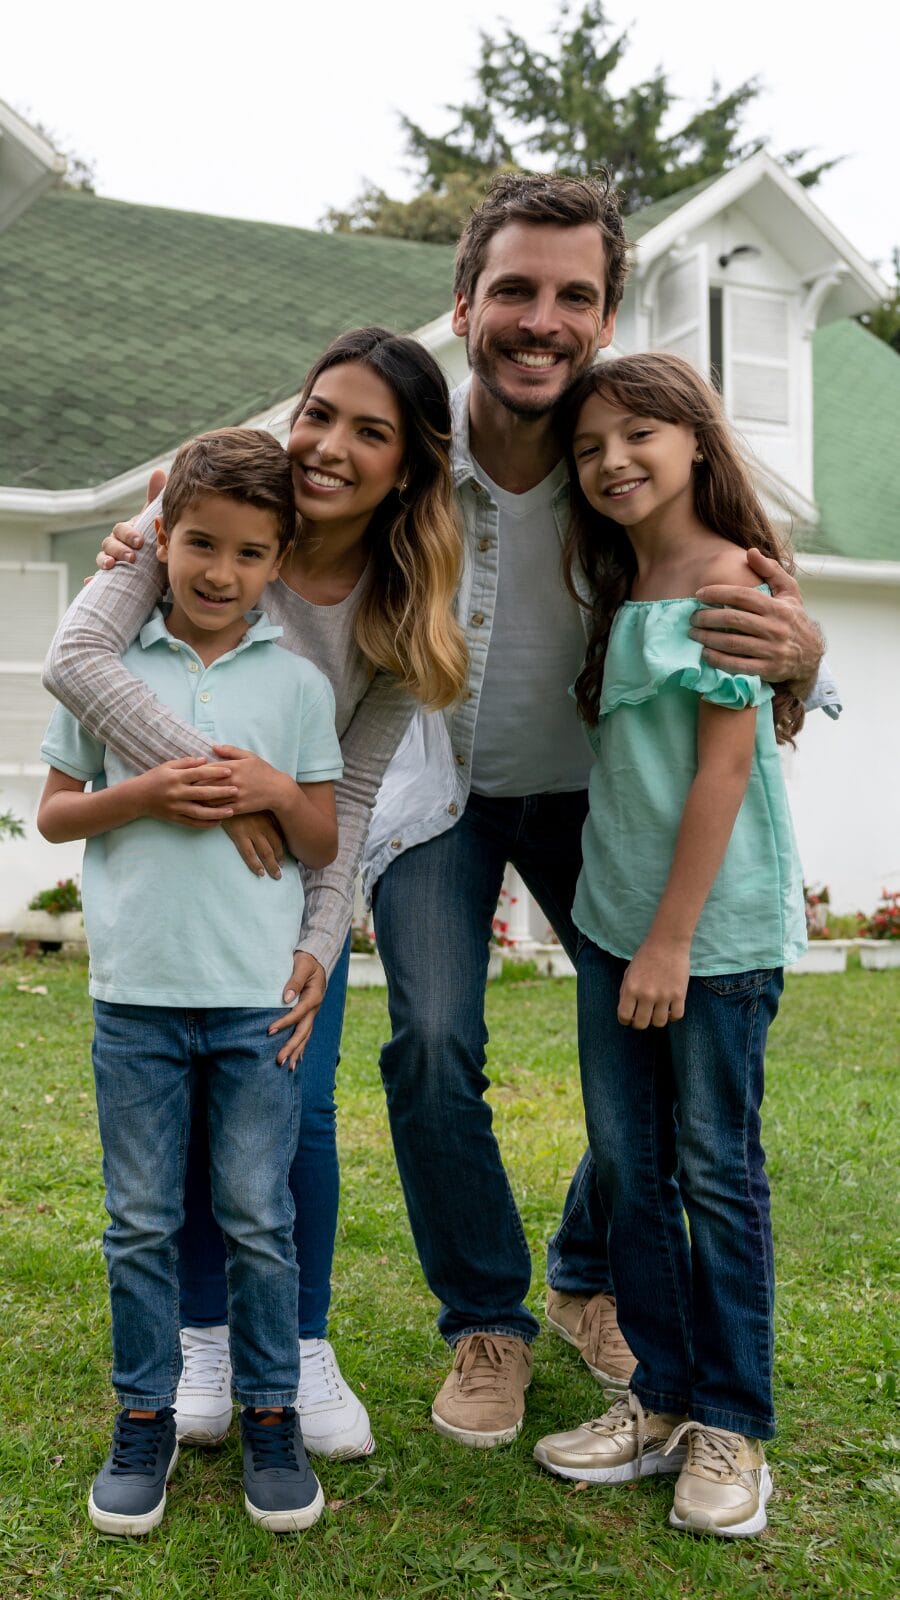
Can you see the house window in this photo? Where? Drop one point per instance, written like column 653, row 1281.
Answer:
column 756, row 365
column 32, row 600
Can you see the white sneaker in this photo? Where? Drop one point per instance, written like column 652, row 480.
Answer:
column 203, row 1401
column 334, row 1422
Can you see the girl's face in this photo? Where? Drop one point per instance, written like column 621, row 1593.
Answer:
column 347, row 446
column 631, row 468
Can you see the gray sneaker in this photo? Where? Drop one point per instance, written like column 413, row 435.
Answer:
column 281, row 1491
column 128, row 1495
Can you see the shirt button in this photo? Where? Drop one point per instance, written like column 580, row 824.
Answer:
column 174, row 646
column 396, row 844
column 484, row 544
column 193, row 667
column 205, row 695
column 477, row 619
column 453, row 809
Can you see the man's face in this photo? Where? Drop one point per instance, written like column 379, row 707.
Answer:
column 535, row 319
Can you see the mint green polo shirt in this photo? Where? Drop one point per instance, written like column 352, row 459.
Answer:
column 645, row 743
column 173, row 916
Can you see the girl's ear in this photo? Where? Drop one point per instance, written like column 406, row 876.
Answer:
column 162, row 542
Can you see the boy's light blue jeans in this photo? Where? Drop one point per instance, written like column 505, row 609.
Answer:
column 673, row 1117
column 146, row 1059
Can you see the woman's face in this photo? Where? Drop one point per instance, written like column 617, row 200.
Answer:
column 347, row 446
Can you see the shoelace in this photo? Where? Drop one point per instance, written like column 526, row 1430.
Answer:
column 319, row 1381
column 598, row 1323
column 712, row 1450
column 205, row 1364
column 485, row 1359
column 136, row 1444
column 273, row 1445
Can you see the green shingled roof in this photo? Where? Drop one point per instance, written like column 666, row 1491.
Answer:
column 856, row 399
column 124, row 328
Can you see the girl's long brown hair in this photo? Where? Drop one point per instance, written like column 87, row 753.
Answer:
column 406, row 622
column 668, row 388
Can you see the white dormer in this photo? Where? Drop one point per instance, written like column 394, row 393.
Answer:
column 736, row 277
column 28, row 164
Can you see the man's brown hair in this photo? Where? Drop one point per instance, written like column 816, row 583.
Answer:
column 243, row 464
column 549, row 197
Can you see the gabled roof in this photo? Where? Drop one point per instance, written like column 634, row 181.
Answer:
column 28, row 164
column 782, row 209
column 125, row 328
column 856, row 398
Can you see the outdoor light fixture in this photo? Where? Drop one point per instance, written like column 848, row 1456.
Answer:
column 739, row 250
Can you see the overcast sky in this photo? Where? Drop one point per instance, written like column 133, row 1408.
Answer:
column 277, row 111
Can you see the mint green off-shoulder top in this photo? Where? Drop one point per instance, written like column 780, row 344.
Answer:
column 645, row 745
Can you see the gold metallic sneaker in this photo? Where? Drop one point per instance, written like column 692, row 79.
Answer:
column 625, row 1443
column 482, row 1402
column 589, row 1323
column 724, row 1483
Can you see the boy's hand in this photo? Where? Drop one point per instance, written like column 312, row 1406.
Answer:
column 654, row 985
column 258, row 841
column 258, row 786
column 306, row 989
column 190, row 791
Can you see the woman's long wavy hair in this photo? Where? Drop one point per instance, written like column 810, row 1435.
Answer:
column 406, row 622
column 666, row 387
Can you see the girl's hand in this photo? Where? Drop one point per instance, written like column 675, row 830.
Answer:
column 654, row 985
column 304, row 993
column 258, row 786
column 190, row 791
column 258, row 841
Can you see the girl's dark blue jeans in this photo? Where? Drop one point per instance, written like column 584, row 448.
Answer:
column 314, row 1183
column 673, row 1117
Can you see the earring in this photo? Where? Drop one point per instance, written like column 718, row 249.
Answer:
column 403, row 485
column 699, row 457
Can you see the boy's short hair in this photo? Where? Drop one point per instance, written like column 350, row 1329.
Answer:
column 243, row 464
column 545, row 197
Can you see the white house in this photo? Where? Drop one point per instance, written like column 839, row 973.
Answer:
column 125, row 328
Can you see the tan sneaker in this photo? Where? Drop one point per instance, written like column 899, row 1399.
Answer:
column 625, row 1443
column 482, row 1402
column 724, row 1483
column 589, row 1323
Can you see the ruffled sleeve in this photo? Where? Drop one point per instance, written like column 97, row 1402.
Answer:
column 650, row 653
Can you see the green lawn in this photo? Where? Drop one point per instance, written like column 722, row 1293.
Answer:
column 423, row 1516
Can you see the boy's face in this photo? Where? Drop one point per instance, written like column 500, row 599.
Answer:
column 220, row 555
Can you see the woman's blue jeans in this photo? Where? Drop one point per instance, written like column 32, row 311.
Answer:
column 314, row 1186
column 673, row 1117
column 147, row 1060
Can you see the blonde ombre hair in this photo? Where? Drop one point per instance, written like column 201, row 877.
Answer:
column 406, row 624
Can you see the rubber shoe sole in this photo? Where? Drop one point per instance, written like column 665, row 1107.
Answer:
column 128, row 1525
column 617, row 1385
column 287, row 1521
column 477, row 1441
column 206, row 1434
column 702, row 1522
column 342, row 1452
column 652, row 1463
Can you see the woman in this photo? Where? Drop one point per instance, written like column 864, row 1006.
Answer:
column 367, row 594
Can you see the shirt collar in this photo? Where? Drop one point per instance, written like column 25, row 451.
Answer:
column 260, row 629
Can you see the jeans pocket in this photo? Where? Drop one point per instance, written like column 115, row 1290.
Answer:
column 738, row 983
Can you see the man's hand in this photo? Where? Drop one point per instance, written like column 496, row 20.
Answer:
column 258, row 786
column 259, row 842
column 766, row 635
column 191, row 791
column 304, row 994
column 654, row 985
column 121, row 544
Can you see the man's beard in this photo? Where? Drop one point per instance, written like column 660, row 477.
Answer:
column 540, row 406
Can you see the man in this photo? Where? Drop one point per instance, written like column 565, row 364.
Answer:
column 540, row 271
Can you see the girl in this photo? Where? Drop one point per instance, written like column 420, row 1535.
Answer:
column 690, row 904
column 366, row 594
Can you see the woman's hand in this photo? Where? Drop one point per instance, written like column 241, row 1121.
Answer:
column 304, row 993
column 259, row 842
column 654, row 985
column 767, row 635
column 121, row 544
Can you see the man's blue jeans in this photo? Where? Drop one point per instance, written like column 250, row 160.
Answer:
column 145, row 1060
column 433, row 911
column 314, row 1184
column 673, row 1118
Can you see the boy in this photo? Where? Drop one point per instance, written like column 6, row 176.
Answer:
column 189, row 953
